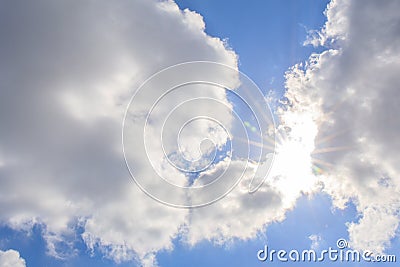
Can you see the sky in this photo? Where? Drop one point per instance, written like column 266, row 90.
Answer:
column 297, row 98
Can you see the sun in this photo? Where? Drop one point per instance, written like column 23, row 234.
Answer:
column 292, row 167
column 297, row 167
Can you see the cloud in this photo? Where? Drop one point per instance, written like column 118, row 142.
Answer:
column 351, row 93
column 240, row 215
column 237, row 215
column 11, row 258
column 315, row 241
column 67, row 73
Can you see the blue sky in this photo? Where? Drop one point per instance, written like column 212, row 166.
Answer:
column 268, row 38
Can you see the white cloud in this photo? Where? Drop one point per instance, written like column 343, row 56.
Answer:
column 239, row 214
column 11, row 258
column 69, row 69
column 351, row 92
column 67, row 73
column 315, row 241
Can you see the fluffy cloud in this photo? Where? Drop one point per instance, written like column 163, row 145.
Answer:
column 67, row 73
column 351, row 92
column 11, row 258
column 315, row 241
column 69, row 69
column 241, row 215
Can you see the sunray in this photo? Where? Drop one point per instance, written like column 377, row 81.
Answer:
column 329, row 137
column 254, row 143
column 270, row 140
column 280, row 137
column 266, row 138
column 321, row 162
column 330, row 149
column 336, row 106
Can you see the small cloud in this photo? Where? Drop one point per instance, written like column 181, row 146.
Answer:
column 272, row 80
column 11, row 258
column 315, row 241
